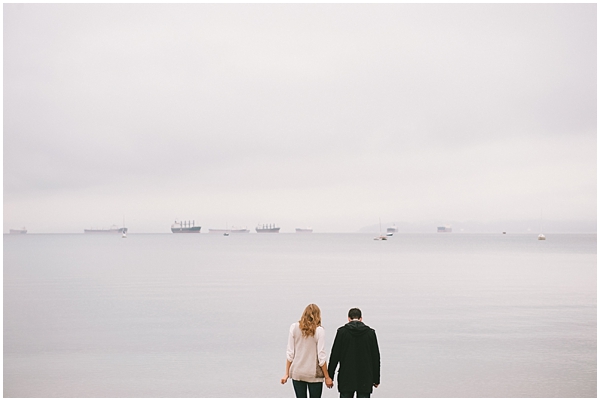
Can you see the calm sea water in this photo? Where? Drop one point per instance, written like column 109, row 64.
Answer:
column 202, row 315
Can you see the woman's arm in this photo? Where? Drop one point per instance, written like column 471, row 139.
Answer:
column 328, row 381
column 287, row 372
column 322, row 355
column 290, row 353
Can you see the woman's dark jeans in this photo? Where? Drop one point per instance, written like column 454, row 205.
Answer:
column 300, row 387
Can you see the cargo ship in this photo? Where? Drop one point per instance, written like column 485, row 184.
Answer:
column 444, row 229
column 112, row 230
column 231, row 230
column 267, row 228
column 306, row 230
column 18, row 231
column 184, row 227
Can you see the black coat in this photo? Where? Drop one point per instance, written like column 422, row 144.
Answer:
column 355, row 349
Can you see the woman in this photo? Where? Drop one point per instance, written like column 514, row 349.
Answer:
column 306, row 356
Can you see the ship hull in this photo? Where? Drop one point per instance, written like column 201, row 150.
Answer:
column 268, row 230
column 224, row 230
column 17, row 232
column 185, row 230
column 304, row 230
column 122, row 230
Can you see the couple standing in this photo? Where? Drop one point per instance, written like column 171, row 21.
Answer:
column 354, row 348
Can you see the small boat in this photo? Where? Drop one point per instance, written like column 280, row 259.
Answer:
column 381, row 237
column 306, row 230
column 226, row 234
column 541, row 237
column 444, row 229
column 18, row 231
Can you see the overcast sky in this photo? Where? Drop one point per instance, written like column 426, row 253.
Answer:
column 329, row 116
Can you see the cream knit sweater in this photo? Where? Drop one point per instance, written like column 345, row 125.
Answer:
column 304, row 352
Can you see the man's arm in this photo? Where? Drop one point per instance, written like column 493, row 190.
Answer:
column 334, row 358
column 376, row 360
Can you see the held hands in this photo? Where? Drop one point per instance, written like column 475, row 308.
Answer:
column 328, row 381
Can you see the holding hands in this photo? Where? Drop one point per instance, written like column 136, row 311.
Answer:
column 328, row 381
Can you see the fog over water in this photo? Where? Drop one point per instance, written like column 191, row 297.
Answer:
column 170, row 315
column 323, row 115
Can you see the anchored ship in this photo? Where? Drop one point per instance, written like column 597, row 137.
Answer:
column 267, row 228
column 18, row 231
column 112, row 230
column 392, row 230
column 232, row 230
column 444, row 229
column 184, row 227
column 304, row 230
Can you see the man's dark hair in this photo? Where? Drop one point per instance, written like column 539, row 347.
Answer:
column 354, row 313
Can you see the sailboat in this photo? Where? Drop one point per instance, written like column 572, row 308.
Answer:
column 381, row 237
column 541, row 237
column 124, row 233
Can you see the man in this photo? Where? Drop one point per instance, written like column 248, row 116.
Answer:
column 355, row 349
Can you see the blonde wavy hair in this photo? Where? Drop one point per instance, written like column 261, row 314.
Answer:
column 310, row 320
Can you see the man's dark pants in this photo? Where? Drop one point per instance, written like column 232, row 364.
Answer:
column 350, row 394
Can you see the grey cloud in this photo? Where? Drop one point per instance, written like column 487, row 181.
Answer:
column 415, row 110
